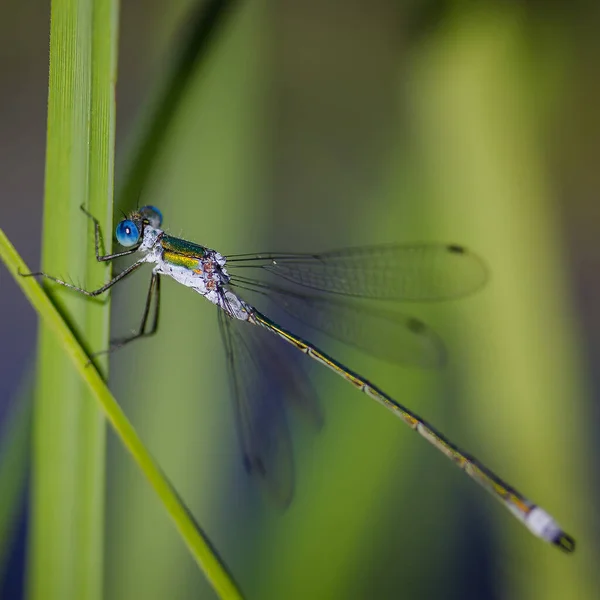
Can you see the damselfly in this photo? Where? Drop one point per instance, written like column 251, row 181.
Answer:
column 308, row 287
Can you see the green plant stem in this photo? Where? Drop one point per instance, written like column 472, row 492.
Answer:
column 66, row 541
column 195, row 539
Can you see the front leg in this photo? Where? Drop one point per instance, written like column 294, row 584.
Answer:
column 99, row 241
column 101, row 290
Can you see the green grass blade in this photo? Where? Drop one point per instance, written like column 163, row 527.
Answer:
column 197, row 542
column 66, row 541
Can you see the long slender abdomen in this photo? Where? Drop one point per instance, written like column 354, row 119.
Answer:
column 538, row 521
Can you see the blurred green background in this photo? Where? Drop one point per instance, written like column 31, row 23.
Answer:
column 316, row 125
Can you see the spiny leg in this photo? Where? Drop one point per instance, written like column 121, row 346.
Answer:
column 153, row 290
column 99, row 241
column 97, row 292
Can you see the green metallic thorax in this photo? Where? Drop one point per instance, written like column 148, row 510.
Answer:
column 182, row 253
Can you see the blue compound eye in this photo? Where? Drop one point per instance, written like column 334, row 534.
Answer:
column 152, row 215
column 127, row 233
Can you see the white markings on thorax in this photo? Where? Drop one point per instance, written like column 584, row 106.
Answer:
column 207, row 279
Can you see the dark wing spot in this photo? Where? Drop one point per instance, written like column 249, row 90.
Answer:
column 415, row 326
column 456, row 249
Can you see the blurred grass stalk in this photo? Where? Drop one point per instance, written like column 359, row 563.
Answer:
column 482, row 91
column 204, row 178
column 67, row 491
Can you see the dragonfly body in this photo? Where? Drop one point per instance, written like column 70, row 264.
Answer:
column 194, row 266
column 416, row 272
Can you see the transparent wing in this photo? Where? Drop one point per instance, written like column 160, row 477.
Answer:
column 388, row 272
column 262, row 382
column 384, row 334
